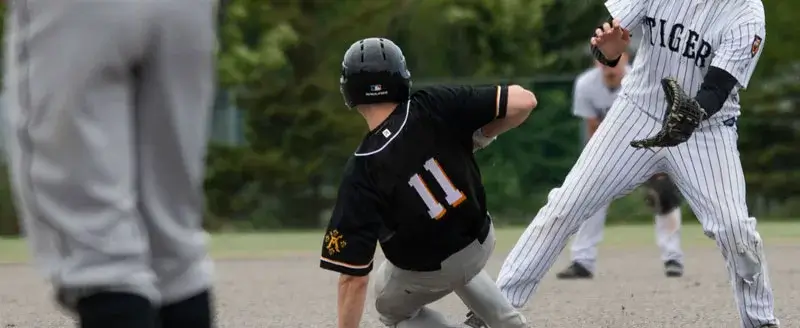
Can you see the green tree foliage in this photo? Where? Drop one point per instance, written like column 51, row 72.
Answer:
column 484, row 39
column 280, row 59
column 283, row 59
column 574, row 21
column 770, row 123
column 525, row 163
column 500, row 42
column 479, row 39
column 279, row 62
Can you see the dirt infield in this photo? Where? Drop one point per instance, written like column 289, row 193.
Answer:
column 629, row 291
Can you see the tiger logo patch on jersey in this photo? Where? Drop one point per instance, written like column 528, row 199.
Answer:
column 756, row 46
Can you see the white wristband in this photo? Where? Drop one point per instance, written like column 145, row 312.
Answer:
column 480, row 141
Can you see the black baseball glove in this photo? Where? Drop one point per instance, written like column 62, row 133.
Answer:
column 683, row 116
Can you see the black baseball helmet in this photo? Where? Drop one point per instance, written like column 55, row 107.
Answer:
column 374, row 71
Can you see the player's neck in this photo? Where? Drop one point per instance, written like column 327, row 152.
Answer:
column 612, row 85
column 375, row 114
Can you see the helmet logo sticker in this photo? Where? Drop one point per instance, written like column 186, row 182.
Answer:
column 376, row 90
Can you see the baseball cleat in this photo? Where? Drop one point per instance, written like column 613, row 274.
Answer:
column 575, row 271
column 769, row 326
column 673, row 269
column 473, row 321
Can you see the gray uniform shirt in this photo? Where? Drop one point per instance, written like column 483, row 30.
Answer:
column 591, row 98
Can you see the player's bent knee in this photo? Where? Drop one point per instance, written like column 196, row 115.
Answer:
column 391, row 319
column 386, row 315
column 745, row 252
column 563, row 207
column 391, row 312
column 562, row 221
column 749, row 253
column 747, row 259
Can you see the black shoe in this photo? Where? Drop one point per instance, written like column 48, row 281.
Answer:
column 473, row 321
column 769, row 326
column 575, row 271
column 113, row 309
column 195, row 312
column 673, row 269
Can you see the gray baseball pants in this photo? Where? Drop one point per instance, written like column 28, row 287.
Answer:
column 402, row 295
column 108, row 106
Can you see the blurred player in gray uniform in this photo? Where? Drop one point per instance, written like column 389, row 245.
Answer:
column 107, row 123
column 594, row 92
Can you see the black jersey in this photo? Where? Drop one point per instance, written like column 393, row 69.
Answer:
column 413, row 184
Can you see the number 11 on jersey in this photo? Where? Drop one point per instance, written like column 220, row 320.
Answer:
column 453, row 196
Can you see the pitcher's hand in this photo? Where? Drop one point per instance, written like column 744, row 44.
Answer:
column 611, row 39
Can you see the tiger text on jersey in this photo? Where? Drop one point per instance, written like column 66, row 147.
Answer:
column 682, row 39
column 677, row 38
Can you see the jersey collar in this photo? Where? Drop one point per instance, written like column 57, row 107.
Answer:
column 378, row 140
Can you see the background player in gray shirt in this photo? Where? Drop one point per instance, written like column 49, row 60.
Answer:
column 106, row 126
column 595, row 90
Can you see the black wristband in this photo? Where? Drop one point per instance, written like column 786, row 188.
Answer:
column 602, row 59
column 597, row 54
column 502, row 104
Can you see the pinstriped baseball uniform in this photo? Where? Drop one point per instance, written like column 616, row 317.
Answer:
column 591, row 100
column 681, row 39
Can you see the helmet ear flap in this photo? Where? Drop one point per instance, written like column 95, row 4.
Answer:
column 342, row 84
column 347, row 101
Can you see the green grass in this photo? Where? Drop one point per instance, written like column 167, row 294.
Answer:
column 13, row 250
column 261, row 245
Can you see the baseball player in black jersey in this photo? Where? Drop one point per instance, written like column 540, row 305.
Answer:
column 413, row 185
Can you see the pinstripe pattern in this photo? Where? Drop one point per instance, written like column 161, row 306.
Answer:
column 592, row 99
column 729, row 28
column 594, row 181
column 708, row 171
column 681, row 39
column 628, row 12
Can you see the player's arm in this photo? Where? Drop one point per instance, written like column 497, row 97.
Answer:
column 582, row 107
column 611, row 39
column 482, row 112
column 518, row 103
column 349, row 247
column 733, row 65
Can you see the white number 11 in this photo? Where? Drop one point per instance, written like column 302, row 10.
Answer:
column 453, row 196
